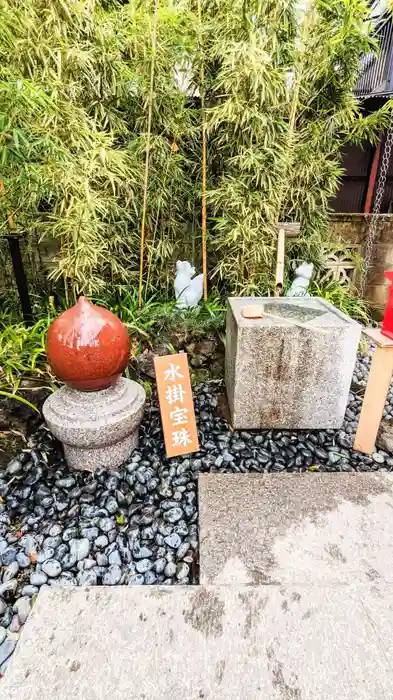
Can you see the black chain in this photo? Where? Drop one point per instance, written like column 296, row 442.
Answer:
column 373, row 227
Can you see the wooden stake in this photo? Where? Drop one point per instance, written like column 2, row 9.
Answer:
column 284, row 229
column 374, row 399
column 146, row 177
column 280, row 262
column 204, row 159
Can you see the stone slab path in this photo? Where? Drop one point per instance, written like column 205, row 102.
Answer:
column 217, row 642
column 323, row 529
column 296, row 603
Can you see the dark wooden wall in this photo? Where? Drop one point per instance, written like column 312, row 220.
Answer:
column 351, row 196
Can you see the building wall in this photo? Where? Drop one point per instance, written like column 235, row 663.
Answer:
column 351, row 230
column 356, row 163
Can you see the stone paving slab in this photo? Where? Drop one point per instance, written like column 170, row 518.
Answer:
column 296, row 529
column 215, row 643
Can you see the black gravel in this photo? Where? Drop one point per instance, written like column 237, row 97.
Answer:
column 139, row 525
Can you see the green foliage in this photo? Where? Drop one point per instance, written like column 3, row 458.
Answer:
column 344, row 298
column 74, row 87
column 23, row 354
column 15, row 397
column 157, row 318
column 282, row 107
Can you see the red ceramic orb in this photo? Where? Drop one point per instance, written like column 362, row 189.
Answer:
column 87, row 346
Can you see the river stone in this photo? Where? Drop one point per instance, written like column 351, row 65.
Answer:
column 101, row 559
column 29, row 590
column 87, row 578
column 68, row 561
column 182, row 550
column 15, row 625
column 38, row 578
column 91, row 533
column 8, row 555
column 170, row 569
column 115, row 558
column 112, row 576
column 13, row 467
column 45, row 555
column 8, row 588
column 55, row 530
column 6, row 649
column 173, row 540
column 23, row 607
column 10, row 571
column 80, row 548
column 141, row 552
column 182, row 570
column 173, row 515
column 143, row 565
column 52, row 568
column 159, row 565
column 385, row 436
column 106, row 524
column 23, row 560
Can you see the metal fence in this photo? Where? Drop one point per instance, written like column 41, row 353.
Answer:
column 376, row 68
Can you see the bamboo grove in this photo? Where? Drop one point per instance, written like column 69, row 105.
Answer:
column 136, row 133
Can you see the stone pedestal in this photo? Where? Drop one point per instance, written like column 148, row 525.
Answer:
column 97, row 428
column 279, row 375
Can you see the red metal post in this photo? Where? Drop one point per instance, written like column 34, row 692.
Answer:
column 373, row 176
column 387, row 323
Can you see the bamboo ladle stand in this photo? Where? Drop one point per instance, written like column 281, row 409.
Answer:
column 284, row 229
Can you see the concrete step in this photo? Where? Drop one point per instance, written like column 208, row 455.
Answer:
column 216, row 643
column 296, row 529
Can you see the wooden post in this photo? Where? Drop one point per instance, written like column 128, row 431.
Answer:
column 372, row 178
column 284, row 229
column 280, row 262
column 204, row 157
column 376, row 392
column 147, row 156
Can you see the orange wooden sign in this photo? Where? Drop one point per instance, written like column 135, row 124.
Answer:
column 176, row 404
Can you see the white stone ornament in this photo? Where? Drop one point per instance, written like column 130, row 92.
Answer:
column 188, row 289
column 300, row 284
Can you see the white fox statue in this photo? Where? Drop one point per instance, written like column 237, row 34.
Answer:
column 188, row 290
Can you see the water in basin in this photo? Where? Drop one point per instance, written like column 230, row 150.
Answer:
column 295, row 311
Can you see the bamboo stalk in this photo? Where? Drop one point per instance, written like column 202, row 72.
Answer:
column 280, row 262
column 204, row 157
column 11, row 222
column 298, row 74
column 146, row 176
column 150, row 257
